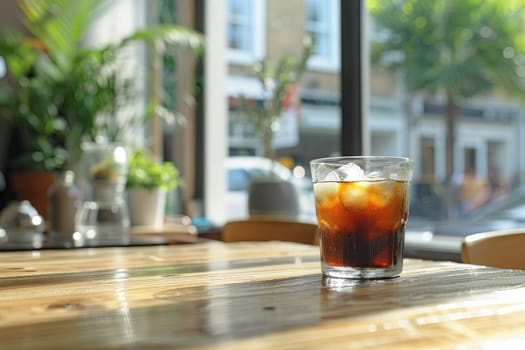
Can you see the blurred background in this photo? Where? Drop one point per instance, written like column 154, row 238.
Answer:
column 284, row 82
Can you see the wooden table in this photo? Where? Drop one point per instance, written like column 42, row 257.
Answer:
column 248, row 296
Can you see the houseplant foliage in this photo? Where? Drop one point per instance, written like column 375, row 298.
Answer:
column 56, row 85
column 275, row 78
column 148, row 183
column 145, row 172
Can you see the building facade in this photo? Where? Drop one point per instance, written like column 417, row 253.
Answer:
column 489, row 130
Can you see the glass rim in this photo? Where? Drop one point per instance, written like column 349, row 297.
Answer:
column 339, row 159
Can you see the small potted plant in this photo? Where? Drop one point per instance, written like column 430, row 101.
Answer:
column 148, row 182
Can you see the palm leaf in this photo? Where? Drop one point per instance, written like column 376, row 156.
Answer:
column 18, row 53
column 61, row 24
column 167, row 34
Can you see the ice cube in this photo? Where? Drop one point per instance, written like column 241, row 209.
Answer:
column 381, row 192
column 325, row 192
column 350, row 172
column 326, row 174
column 332, row 176
column 354, row 195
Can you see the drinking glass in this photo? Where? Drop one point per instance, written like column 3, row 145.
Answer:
column 362, row 209
column 103, row 217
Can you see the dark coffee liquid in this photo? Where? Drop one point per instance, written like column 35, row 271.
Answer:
column 358, row 250
column 362, row 224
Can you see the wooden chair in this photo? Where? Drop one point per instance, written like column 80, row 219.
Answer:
column 270, row 230
column 503, row 249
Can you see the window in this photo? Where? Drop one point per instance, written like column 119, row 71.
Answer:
column 245, row 35
column 437, row 67
column 322, row 24
column 309, row 122
column 395, row 117
column 426, row 152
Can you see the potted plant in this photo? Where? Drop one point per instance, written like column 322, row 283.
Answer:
column 148, row 183
column 59, row 94
column 28, row 103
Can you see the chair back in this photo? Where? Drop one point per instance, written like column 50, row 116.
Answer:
column 270, row 230
column 503, row 249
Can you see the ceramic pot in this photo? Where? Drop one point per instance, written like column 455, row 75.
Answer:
column 273, row 197
column 33, row 187
column 146, row 206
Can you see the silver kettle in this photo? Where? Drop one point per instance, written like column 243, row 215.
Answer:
column 21, row 223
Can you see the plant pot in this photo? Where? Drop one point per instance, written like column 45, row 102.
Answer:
column 274, row 198
column 146, row 207
column 33, row 187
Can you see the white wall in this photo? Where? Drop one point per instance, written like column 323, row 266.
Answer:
column 216, row 111
column 122, row 19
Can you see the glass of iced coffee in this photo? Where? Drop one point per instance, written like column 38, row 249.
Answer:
column 362, row 209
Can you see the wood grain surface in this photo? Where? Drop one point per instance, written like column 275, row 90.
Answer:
column 260, row 295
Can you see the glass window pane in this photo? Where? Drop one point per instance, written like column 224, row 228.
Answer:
column 446, row 83
column 321, row 25
column 304, row 119
column 243, row 22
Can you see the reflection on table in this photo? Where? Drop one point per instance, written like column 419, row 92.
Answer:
column 139, row 236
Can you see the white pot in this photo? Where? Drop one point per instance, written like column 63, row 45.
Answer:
column 146, row 207
column 273, row 197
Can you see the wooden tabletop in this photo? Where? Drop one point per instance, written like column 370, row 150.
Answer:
column 248, row 296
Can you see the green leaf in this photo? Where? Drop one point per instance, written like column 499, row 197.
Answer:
column 452, row 45
column 145, row 172
column 168, row 34
column 65, row 94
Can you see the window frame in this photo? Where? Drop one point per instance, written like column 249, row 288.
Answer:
column 351, row 94
column 330, row 62
column 247, row 57
column 352, row 74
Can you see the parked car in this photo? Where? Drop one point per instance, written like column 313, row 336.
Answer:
column 504, row 213
column 243, row 169
column 441, row 239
